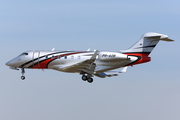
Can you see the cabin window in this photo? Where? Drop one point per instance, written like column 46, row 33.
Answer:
column 52, row 57
column 59, row 56
column 65, row 57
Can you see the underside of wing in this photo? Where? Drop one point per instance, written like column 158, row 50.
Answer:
column 111, row 73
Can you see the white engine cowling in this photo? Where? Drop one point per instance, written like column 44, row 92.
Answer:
column 112, row 56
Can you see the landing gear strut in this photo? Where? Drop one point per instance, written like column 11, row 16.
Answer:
column 22, row 71
column 87, row 78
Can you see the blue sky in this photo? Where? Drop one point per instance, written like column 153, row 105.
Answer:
column 148, row 91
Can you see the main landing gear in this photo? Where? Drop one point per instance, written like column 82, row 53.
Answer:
column 22, row 71
column 87, row 78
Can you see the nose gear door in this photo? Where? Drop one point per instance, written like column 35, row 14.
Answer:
column 35, row 58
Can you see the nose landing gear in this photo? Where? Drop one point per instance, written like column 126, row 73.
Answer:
column 22, row 71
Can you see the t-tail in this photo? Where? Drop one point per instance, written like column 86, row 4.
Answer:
column 144, row 46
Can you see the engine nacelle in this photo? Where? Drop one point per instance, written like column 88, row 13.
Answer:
column 112, row 56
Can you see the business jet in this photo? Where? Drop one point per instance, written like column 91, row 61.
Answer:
column 89, row 63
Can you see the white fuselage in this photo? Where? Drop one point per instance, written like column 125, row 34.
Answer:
column 89, row 63
column 58, row 60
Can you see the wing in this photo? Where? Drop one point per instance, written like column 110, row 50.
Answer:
column 111, row 73
column 86, row 66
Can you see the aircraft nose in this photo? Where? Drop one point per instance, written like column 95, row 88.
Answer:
column 12, row 62
column 9, row 63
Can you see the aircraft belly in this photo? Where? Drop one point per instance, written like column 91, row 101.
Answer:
column 106, row 66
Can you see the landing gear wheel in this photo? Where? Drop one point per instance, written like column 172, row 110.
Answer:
column 22, row 71
column 22, row 77
column 84, row 77
column 90, row 80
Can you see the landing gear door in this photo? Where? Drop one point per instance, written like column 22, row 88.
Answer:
column 35, row 58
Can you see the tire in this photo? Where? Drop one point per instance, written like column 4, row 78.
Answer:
column 22, row 77
column 90, row 80
column 84, row 77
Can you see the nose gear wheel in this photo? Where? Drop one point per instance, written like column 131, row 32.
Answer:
column 22, row 77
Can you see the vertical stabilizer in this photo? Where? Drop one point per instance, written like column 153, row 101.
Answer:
column 147, row 43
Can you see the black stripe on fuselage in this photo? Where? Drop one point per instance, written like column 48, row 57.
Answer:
column 66, row 52
column 139, row 57
column 136, row 52
column 39, row 58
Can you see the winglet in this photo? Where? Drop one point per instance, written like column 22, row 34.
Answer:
column 94, row 55
column 53, row 49
column 124, row 69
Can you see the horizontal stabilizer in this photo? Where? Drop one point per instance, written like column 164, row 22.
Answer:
column 167, row 39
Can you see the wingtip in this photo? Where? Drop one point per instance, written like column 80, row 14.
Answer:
column 124, row 69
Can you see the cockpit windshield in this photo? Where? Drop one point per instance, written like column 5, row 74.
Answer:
column 23, row 54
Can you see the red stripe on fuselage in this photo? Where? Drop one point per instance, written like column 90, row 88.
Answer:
column 44, row 64
column 142, row 58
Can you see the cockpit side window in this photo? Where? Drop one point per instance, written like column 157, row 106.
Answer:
column 23, row 54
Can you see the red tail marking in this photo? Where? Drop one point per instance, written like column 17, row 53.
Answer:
column 143, row 58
